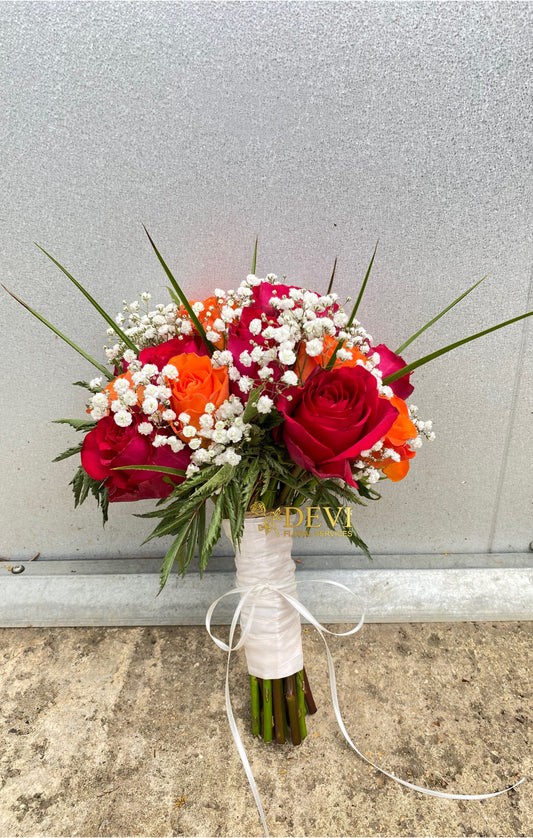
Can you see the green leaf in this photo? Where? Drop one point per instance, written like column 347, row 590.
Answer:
column 60, row 335
column 173, row 296
column 70, row 452
column 77, row 424
column 172, row 519
column 99, row 491
column 254, row 260
column 250, row 411
column 124, row 338
column 421, row 361
column 191, row 539
column 82, row 484
column 171, row 556
column 249, row 483
column 201, row 528
column 84, row 384
column 77, row 484
column 367, row 492
column 162, row 469
column 199, row 328
column 231, row 508
column 330, row 286
column 354, row 538
column 442, row 313
column 85, row 488
column 268, row 421
column 347, row 493
column 213, row 532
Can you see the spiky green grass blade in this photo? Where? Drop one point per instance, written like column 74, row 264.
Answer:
column 60, row 334
column 254, row 260
column 431, row 357
column 351, row 318
column 363, row 287
column 330, row 286
column 406, row 343
column 186, row 304
column 123, row 337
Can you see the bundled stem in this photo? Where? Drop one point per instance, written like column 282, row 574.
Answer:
column 268, row 719
column 279, row 707
column 256, row 713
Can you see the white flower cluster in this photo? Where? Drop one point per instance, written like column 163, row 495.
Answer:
column 367, row 466
column 143, row 326
column 143, row 390
column 299, row 319
column 223, row 428
column 423, row 428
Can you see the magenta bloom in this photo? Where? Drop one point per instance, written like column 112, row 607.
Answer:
column 263, row 293
column 390, row 362
column 161, row 354
column 109, row 447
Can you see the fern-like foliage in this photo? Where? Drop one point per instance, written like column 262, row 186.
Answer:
column 83, row 485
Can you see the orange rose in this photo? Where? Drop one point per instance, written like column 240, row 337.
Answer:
column 305, row 364
column 396, row 438
column 197, row 384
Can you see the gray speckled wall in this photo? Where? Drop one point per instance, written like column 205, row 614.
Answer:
column 322, row 126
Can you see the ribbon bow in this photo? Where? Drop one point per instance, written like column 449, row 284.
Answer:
column 253, row 592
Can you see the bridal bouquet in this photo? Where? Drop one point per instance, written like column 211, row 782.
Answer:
column 263, row 401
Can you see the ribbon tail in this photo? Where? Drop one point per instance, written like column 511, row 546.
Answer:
column 235, row 732
column 421, row 789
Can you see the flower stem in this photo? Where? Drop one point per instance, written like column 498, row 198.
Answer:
column 309, row 700
column 279, row 712
column 300, row 699
column 256, row 714
column 292, row 708
column 267, row 710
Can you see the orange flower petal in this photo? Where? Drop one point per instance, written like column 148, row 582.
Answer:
column 396, row 471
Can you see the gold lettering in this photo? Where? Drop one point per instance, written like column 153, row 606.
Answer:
column 348, row 513
column 311, row 516
column 327, row 510
column 288, row 514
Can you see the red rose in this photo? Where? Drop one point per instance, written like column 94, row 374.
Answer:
column 109, row 446
column 332, row 418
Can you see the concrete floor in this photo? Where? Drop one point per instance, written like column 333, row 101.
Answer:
column 123, row 732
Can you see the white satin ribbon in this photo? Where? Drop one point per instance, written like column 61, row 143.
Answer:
column 255, row 591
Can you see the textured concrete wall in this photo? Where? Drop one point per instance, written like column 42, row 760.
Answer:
column 322, row 126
